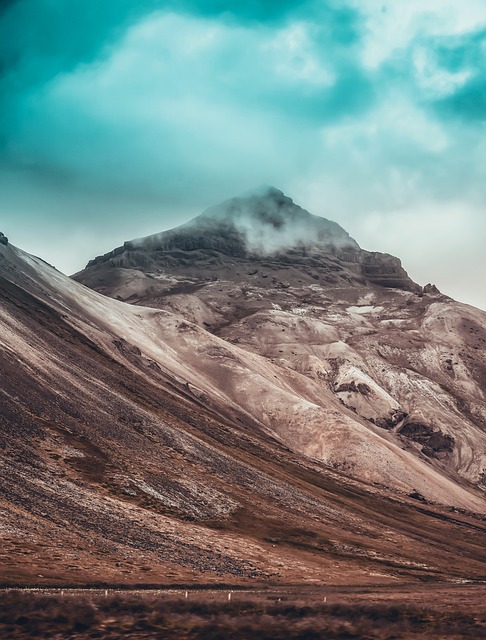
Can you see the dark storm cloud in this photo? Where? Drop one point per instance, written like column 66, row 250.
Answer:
column 43, row 37
column 343, row 21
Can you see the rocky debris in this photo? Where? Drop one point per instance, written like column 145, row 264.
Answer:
column 361, row 387
column 435, row 444
column 3, row 239
column 125, row 348
column 417, row 496
column 431, row 290
column 392, row 420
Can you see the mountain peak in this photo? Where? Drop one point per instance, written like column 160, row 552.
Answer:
column 269, row 221
column 265, row 190
column 261, row 224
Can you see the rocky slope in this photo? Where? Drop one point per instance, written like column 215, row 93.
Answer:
column 252, row 428
column 376, row 376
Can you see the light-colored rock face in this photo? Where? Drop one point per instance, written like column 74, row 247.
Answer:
column 334, row 351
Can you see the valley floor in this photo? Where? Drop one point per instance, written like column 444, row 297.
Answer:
column 433, row 610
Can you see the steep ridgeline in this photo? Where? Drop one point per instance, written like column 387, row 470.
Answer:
column 387, row 379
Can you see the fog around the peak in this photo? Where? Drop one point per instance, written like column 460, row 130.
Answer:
column 270, row 221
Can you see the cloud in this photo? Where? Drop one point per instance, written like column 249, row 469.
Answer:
column 122, row 118
column 391, row 28
column 180, row 95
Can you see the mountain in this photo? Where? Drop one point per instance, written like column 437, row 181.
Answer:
column 382, row 378
column 260, row 226
column 253, row 416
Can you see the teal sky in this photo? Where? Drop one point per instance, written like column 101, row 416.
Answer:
column 120, row 118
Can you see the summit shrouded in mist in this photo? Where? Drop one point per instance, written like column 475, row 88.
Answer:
column 260, row 226
column 270, row 221
column 261, row 222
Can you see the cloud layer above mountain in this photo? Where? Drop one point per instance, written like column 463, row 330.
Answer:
column 121, row 118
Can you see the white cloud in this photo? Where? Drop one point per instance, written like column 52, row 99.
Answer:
column 436, row 82
column 391, row 25
column 395, row 118
column 296, row 57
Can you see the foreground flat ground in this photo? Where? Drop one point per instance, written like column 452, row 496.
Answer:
column 306, row 613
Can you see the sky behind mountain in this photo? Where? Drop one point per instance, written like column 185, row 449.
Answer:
column 123, row 118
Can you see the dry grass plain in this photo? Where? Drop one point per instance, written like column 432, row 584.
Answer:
column 434, row 611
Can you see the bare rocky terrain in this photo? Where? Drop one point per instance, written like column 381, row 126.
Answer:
column 362, row 365
column 248, row 399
